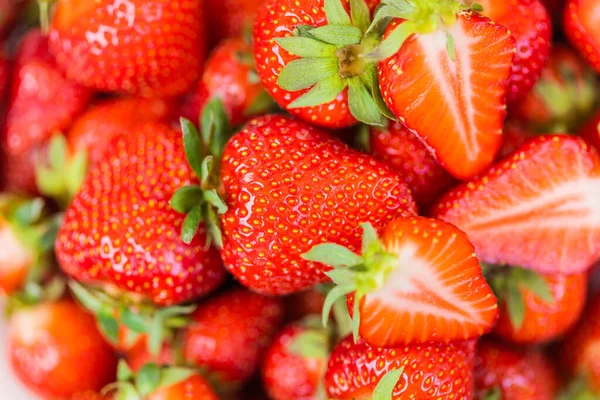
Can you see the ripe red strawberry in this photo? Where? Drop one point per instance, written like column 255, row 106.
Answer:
column 147, row 48
column 121, row 231
column 421, row 282
column 460, row 71
column 230, row 18
column 4, row 76
column 580, row 353
column 56, row 351
column 536, row 209
column 19, row 172
column 294, row 365
column 229, row 74
column 591, row 131
column 580, row 22
column 530, row 25
column 428, row 371
column 103, row 121
column 563, row 98
column 89, row 395
column 513, row 373
column 536, row 308
column 229, row 334
column 42, row 101
column 330, row 93
column 402, row 149
column 194, row 387
column 289, row 187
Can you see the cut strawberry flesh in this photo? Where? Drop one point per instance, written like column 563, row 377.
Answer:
column 73, row 10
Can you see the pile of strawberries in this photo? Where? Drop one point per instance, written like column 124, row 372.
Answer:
column 301, row 199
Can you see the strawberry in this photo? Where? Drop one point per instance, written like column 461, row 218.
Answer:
column 580, row 24
column 402, row 149
column 42, row 101
column 514, row 136
column 288, row 187
column 536, row 209
column 195, row 101
column 513, row 373
column 19, row 170
column 294, row 40
column 4, row 75
column 420, row 282
column 302, row 304
column 56, row 350
column 103, row 121
column 230, row 18
column 229, row 74
column 580, row 350
column 564, row 96
column 150, row 49
column 591, row 131
column 445, row 58
column 120, row 230
column 554, row 8
column 423, row 371
column 530, row 25
column 89, row 395
column 229, row 334
column 295, row 363
column 536, row 308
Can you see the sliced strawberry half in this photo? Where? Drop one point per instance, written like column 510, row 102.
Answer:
column 538, row 208
column 457, row 106
column 420, row 282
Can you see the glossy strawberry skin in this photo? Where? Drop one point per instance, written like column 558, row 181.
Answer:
column 121, row 230
column 55, row 349
column 230, row 332
column 4, row 76
column 149, row 48
column 545, row 321
column 278, row 18
column 431, row 370
column 103, row 121
column 289, row 187
column 229, row 18
column 580, row 25
column 194, row 387
column 287, row 375
column 497, row 212
column 19, row 169
column 41, row 100
column 518, row 373
column 400, row 148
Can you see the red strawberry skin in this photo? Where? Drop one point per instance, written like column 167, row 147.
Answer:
column 230, row 333
column 149, row 48
column 41, row 100
column 580, row 23
column 518, row 373
column 468, row 94
column 431, row 370
column 545, row 321
column 530, row 25
column 194, row 387
column 278, row 18
column 591, row 131
column 404, row 151
column 229, row 18
column 290, row 187
column 4, row 74
column 55, row 349
column 120, row 230
column 536, row 209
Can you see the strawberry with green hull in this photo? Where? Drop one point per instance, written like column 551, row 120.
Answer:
column 404, row 151
column 580, row 23
column 120, row 231
column 229, row 334
column 56, row 350
column 536, row 308
column 513, row 373
column 530, row 25
column 122, row 47
column 441, row 56
column 537, row 208
column 289, row 186
column 415, row 371
column 420, row 282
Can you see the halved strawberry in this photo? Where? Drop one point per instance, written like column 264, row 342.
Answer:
column 537, row 209
column 581, row 22
column 421, row 282
column 448, row 82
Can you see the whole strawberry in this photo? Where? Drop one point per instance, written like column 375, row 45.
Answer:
column 580, row 21
column 230, row 18
column 56, row 350
column 536, row 209
column 288, row 187
column 529, row 23
column 120, row 230
column 403, row 150
column 229, row 334
column 427, row 371
column 150, row 48
column 513, row 373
